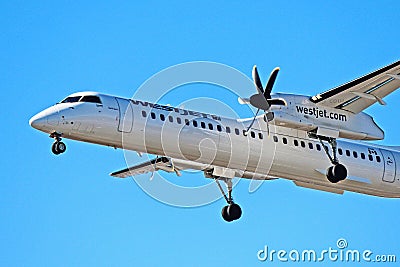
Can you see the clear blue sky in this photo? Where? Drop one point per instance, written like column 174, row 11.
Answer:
column 67, row 211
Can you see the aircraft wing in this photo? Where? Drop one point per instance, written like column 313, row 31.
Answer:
column 161, row 163
column 359, row 94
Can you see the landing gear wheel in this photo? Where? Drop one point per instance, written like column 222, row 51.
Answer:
column 336, row 173
column 225, row 214
column 234, row 211
column 58, row 147
column 61, row 147
column 54, row 149
column 339, row 171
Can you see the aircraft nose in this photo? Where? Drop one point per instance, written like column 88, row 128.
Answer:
column 45, row 119
column 38, row 121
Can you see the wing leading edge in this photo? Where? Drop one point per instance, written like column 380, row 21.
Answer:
column 359, row 94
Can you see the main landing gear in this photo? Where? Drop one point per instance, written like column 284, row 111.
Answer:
column 58, row 147
column 337, row 172
column 232, row 211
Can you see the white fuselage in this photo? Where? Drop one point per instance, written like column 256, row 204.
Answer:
column 210, row 140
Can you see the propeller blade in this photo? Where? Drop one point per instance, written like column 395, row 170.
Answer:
column 270, row 84
column 257, row 81
column 243, row 101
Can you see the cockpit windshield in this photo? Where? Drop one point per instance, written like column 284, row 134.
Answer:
column 85, row 98
column 71, row 99
column 90, row 98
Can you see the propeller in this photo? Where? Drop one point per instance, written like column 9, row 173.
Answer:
column 262, row 99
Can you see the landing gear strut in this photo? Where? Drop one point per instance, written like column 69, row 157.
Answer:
column 232, row 211
column 337, row 172
column 58, row 147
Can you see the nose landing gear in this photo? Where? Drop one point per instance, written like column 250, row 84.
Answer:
column 58, row 147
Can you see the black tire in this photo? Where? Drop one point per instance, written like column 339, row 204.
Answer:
column 340, row 172
column 336, row 173
column 225, row 214
column 54, row 149
column 330, row 176
column 61, row 147
column 234, row 211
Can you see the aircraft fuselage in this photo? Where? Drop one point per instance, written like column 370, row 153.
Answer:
column 211, row 140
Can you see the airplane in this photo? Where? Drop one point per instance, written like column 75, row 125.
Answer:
column 305, row 139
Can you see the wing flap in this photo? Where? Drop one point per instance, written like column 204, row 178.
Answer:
column 162, row 163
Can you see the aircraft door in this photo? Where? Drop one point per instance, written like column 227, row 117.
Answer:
column 389, row 169
column 125, row 121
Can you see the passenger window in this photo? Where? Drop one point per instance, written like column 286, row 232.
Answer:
column 228, row 130
column 91, row 99
column 295, row 142
column 219, row 129
column 275, row 138
column 284, row 140
column 260, row 135
column 162, row 117
column 194, row 123
column 153, row 115
column 171, row 119
column 236, row 131
column 348, row 153
column 310, row 146
column 178, row 120
column 253, row 134
column 318, row 146
column 210, row 126
column 303, row 144
column 340, row 151
column 187, row 122
column 355, row 154
column 144, row 114
column 245, row 133
column 362, row 155
column 370, row 157
column 203, row 124
column 378, row 159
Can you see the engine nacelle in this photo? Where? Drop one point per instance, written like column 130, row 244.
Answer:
column 326, row 121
